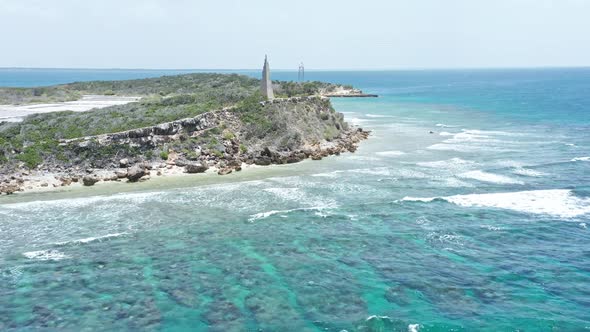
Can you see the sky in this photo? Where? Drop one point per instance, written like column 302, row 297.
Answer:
column 324, row 34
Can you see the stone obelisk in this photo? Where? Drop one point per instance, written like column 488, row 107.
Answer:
column 266, row 85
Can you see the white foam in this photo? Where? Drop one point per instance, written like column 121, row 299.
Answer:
column 413, row 327
column 377, row 317
column 333, row 174
column 528, row 172
column 383, row 171
column 492, row 132
column 442, row 125
column 445, row 133
column 581, row 159
column 390, row 153
column 465, row 148
column 452, row 164
column 378, row 116
column 80, row 202
column 264, row 215
column 358, row 121
column 489, row 177
column 46, row 255
column 361, row 158
column 91, row 239
column 555, row 202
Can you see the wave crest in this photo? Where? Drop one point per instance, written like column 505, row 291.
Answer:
column 555, row 202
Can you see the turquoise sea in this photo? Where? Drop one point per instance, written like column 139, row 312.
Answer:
column 481, row 225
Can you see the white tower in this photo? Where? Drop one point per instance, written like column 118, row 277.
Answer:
column 266, row 84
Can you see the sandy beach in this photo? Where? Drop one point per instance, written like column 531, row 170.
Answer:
column 16, row 113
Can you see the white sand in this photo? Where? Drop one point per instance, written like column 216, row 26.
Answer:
column 16, row 113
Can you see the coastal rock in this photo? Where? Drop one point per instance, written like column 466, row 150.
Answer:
column 65, row 181
column 263, row 161
column 121, row 174
column 224, row 171
column 192, row 168
column 9, row 189
column 123, row 163
column 89, row 180
column 135, row 173
column 316, row 157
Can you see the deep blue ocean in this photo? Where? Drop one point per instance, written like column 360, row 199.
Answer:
column 466, row 210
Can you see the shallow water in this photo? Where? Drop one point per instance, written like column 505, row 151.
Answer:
column 481, row 225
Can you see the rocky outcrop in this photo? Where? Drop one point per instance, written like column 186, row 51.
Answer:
column 197, row 167
column 135, row 173
column 90, row 180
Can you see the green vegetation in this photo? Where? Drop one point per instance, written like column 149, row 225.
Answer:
column 294, row 89
column 164, row 155
column 228, row 135
column 230, row 87
column 243, row 148
column 31, row 156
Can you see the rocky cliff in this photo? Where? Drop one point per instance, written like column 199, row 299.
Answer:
column 262, row 133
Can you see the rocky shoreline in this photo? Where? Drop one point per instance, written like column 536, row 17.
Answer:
column 260, row 151
column 46, row 179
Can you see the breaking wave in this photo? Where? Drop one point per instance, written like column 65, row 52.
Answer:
column 46, row 255
column 489, row 177
column 390, row 153
column 555, row 202
column 90, row 239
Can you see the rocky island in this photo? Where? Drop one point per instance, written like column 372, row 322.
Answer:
column 173, row 124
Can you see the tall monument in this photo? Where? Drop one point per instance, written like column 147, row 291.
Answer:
column 266, row 85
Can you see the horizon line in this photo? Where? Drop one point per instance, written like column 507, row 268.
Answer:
column 309, row 70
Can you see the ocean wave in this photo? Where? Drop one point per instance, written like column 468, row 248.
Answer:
column 358, row 121
column 445, row 133
column 383, row 171
column 362, row 158
column 493, row 133
column 333, row 174
column 452, row 164
column 80, row 202
column 555, row 202
column 392, row 153
column 528, row 172
column 489, row 177
column 378, row 116
column 266, row 214
column 442, row 125
column 466, row 148
column 91, row 239
column 46, row 255
column 581, row 159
